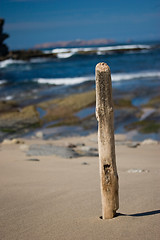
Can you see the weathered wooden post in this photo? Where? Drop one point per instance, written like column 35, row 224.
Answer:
column 106, row 143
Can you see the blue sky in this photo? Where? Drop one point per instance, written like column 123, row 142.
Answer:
column 31, row 22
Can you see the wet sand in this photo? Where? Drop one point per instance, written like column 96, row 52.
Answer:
column 50, row 197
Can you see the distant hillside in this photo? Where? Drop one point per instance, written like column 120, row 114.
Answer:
column 75, row 43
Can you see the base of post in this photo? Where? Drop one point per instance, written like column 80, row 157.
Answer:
column 109, row 215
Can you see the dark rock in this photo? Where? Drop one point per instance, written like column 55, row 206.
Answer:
column 85, row 163
column 61, row 151
column 33, row 159
column 133, row 144
column 48, row 149
column 87, row 151
column 28, row 54
column 71, row 145
column 19, row 119
column 8, row 106
column 3, row 36
column 80, row 144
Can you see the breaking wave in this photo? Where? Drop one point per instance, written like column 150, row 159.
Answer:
column 2, row 82
column 7, row 62
column 138, row 75
column 68, row 52
column 63, row 81
column 115, row 77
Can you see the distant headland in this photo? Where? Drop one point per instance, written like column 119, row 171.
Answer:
column 75, row 43
column 91, row 47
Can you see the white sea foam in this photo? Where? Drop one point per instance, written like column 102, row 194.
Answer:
column 65, row 55
column 87, row 49
column 130, row 76
column 124, row 47
column 63, row 81
column 68, row 52
column 115, row 77
column 9, row 97
column 2, row 82
column 7, row 62
column 60, row 50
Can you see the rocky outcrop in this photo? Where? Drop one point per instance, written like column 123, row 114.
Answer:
column 18, row 119
column 17, row 54
column 28, row 54
column 3, row 36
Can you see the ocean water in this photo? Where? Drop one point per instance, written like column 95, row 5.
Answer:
column 133, row 66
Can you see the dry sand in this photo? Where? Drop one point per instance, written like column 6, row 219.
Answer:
column 59, row 199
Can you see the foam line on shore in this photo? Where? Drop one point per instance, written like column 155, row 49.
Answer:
column 115, row 77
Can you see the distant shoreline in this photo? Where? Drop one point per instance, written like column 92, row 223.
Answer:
column 75, row 43
column 69, row 49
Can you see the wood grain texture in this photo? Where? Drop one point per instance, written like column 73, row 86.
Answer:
column 106, row 142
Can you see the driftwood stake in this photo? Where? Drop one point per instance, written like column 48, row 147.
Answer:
column 106, row 143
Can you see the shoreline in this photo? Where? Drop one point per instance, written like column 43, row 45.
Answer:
column 70, row 50
column 57, row 96
column 74, row 114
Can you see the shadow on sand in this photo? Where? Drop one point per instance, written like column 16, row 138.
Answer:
column 137, row 214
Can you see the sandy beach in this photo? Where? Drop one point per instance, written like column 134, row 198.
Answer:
column 52, row 197
column 69, row 72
